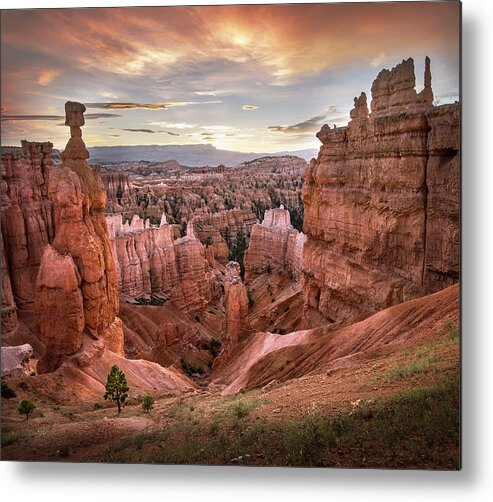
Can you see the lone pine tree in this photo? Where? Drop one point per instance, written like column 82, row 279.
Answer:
column 116, row 387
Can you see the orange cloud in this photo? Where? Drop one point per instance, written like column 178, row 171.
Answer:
column 47, row 76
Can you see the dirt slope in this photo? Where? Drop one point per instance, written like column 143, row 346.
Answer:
column 265, row 357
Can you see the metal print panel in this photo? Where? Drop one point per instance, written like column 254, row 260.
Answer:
column 230, row 235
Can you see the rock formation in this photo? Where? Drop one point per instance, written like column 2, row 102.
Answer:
column 27, row 224
column 193, row 271
column 9, row 310
column 275, row 246
column 382, row 201
column 220, row 230
column 16, row 361
column 118, row 191
column 76, row 287
column 150, row 263
column 236, row 325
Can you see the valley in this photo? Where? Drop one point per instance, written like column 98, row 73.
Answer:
column 279, row 312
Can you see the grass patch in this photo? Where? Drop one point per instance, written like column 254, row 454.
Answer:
column 12, row 437
column 418, row 428
column 401, row 371
column 137, row 441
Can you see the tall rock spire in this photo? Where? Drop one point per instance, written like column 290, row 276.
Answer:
column 74, row 118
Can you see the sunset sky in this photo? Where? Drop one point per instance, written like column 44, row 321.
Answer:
column 246, row 78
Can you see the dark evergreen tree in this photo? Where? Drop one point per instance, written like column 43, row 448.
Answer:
column 116, row 387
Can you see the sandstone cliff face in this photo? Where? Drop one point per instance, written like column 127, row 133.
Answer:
column 275, row 246
column 76, row 287
column 27, row 224
column 381, row 202
column 9, row 310
column 220, row 230
column 151, row 263
column 118, row 191
column 236, row 324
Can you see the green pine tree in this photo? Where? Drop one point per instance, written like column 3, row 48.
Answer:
column 26, row 407
column 147, row 403
column 116, row 387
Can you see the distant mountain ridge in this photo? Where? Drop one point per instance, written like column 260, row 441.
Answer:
column 186, row 155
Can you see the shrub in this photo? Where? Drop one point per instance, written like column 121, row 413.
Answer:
column 26, row 407
column 7, row 392
column 213, row 346
column 191, row 368
column 116, row 387
column 147, row 403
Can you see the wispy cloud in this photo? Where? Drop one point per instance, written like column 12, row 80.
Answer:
column 218, row 92
column 173, row 125
column 150, row 131
column 147, row 106
column 377, row 61
column 32, row 118
column 310, row 125
column 47, row 76
column 127, row 106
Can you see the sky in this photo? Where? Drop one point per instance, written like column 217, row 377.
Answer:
column 251, row 78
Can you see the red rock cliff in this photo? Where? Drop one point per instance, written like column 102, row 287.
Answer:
column 27, row 222
column 275, row 246
column 382, row 202
column 150, row 262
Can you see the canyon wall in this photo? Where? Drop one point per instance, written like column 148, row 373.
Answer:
column 381, row 202
column 118, row 191
column 150, row 263
column 27, row 222
column 220, row 230
column 275, row 246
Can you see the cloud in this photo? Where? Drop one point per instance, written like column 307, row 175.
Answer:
column 147, row 106
column 88, row 116
column 15, row 118
column 249, row 107
column 127, row 106
column 218, row 128
column 92, row 116
column 218, row 92
column 377, row 61
column 148, row 131
column 173, row 125
column 115, row 135
column 309, row 126
column 47, row 76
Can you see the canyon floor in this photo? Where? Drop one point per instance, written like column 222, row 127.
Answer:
column 393, row 403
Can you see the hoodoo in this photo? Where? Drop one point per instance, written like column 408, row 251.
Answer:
column 76, row 289
column 274, row 246
column 382, row 202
